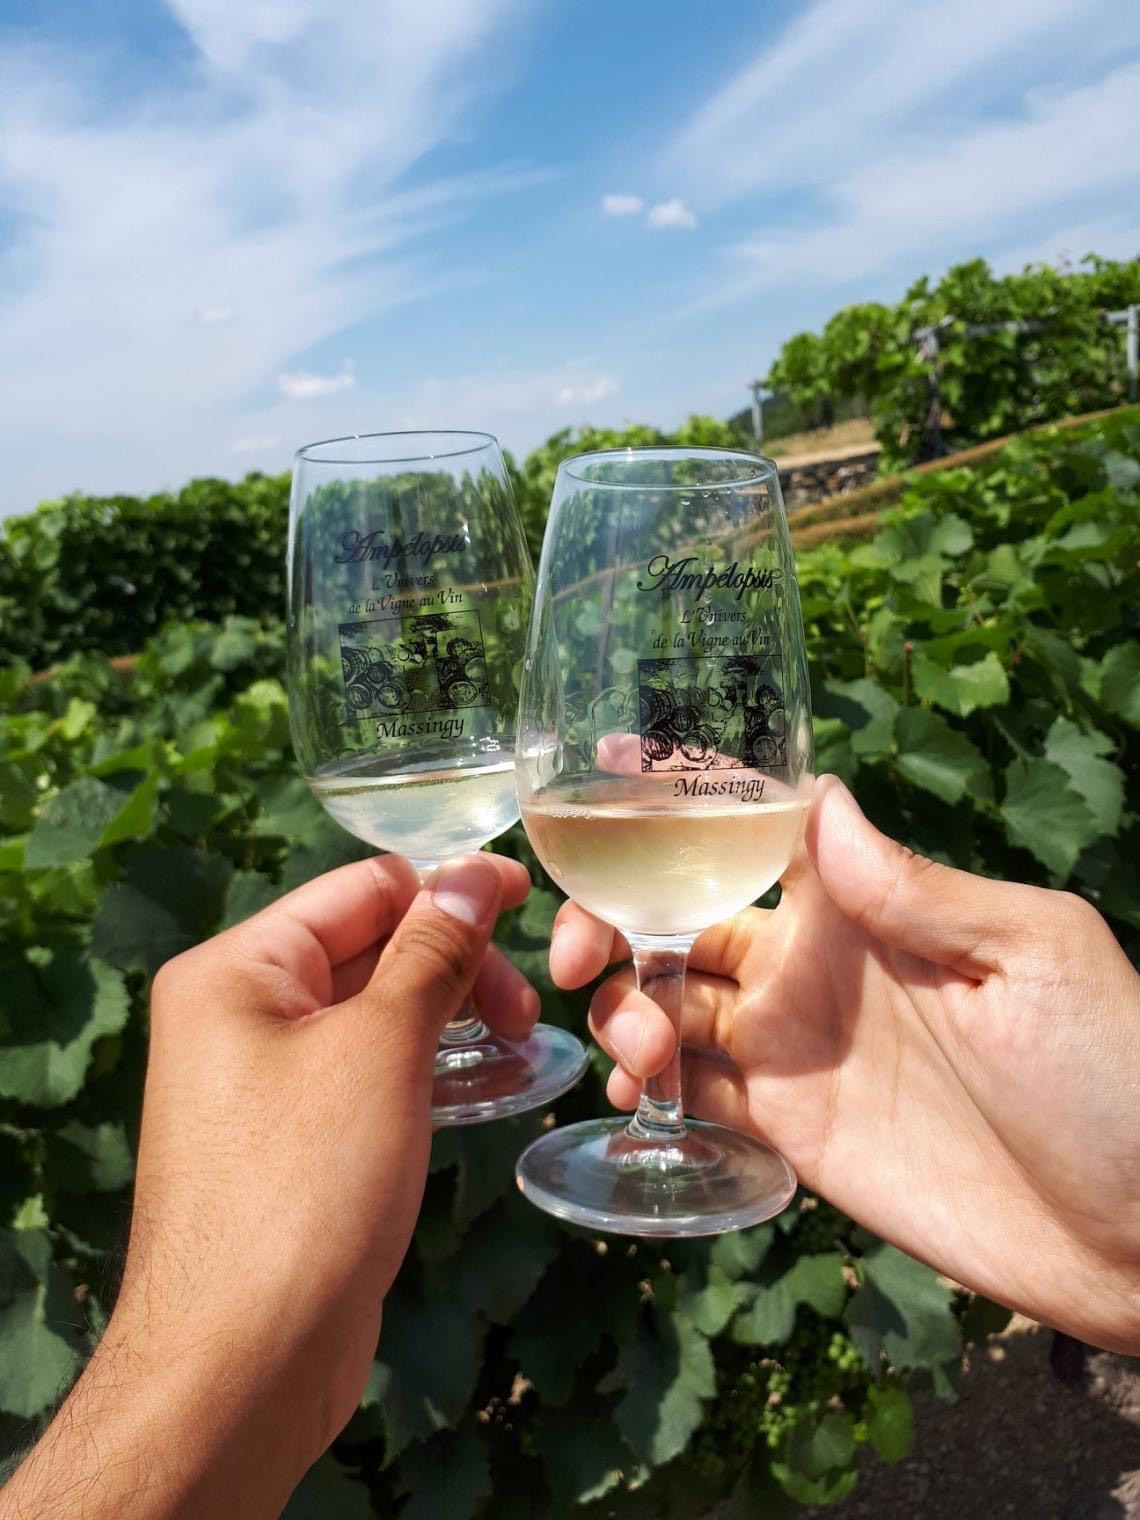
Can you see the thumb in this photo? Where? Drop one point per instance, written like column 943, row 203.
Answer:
column 430, row 963
column 905, row 900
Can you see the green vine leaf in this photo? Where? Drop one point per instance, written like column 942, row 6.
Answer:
column 448, row 1475
column 813, row 1280
column 585, row 1460
column 39, row 1346
column 55, row 1012
column 172, row 897
column 328, row 1489
column 429, row 1359
column 938, row 758
column 1080, row 754
column 667, row 1371
column 1045, row 815
column 890, row 1421
column 961, row 689
column 901, row 1311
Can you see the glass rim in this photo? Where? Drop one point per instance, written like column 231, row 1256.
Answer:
column 763, row 468
column 476, row 442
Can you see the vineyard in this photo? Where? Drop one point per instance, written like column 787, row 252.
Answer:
column 976, row 680
column 972, row 357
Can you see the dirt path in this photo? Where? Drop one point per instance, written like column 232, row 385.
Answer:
column 1019, row 1442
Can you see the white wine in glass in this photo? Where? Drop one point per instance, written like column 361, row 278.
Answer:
column 409, row 590
column 665, row 771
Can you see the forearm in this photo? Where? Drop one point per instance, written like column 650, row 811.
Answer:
column 184, row 1441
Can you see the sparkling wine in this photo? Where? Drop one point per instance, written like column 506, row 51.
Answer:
column 656, row 866
column 425, row 813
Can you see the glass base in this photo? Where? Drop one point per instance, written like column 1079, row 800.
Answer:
column 492, row 1077
column 604, row 1176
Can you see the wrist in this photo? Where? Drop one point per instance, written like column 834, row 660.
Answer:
column 162, row 1434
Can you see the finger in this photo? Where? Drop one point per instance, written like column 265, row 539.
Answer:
column 711, row 1088
column 911, row 903
column 582, row 946
column 632, row 1029
column 504, row 997
column 327, row 921
column 620, row 754
column 352, row 976
column 724, row 949
column 431, row 961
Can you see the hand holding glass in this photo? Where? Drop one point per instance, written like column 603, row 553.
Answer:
column 409, row 590
column 664, row 765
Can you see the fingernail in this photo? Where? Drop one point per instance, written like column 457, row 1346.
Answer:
column 843, row 795
column 465, row 889
column 626, row 1031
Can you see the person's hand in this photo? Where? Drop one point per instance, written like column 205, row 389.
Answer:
column 284, row 1148
column 953, row 1061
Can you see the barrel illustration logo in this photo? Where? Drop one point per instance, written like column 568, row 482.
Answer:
column 711, row 712
column 394, row 666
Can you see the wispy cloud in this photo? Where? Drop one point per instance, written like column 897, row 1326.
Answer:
column 673, row 213
column 588, row 392
column 622, row 205
column 941, row 146
column 173, row 251
column 298, row 385
column 257, row 443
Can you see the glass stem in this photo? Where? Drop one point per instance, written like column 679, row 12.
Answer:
column 466, row 1028
column 660, row 967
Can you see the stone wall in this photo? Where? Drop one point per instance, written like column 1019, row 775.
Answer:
column 806, row 480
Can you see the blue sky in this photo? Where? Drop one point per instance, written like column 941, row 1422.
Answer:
column 226, row 230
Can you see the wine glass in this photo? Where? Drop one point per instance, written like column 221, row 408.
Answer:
column 409, row 590
column 664, row 763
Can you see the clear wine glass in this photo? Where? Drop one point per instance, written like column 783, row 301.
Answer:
column 664, row 765
column 409, row 590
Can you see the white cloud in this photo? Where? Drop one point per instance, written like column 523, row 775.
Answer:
column 257, row 443
column 588, row 392
column 964, row 195
column 260, row 181
column 672, row 213
column 301, row 386
column 622, row 205
column 850, row 78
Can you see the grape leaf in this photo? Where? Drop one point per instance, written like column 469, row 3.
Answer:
column 1079, row 753
column 328, row 1489
column 54, row 1013
column 712, row 1303
column 584, row 1457
column 448, row 1475
column 667, row 1370
column 172, row 897
column 813, row 1280
column 247, row 893
column 85, row 1158
column 961, row 689
column 938, row 758
column 739, row 1252
column 495, row 1282
column 867, row 709
column 561, row 1326
column 38, row 1341
column 1045, row 815
column 18, row 795
column 890, row 1421
column 71, row 826
column 429, row 1358
column 1120, row 682
column 901, row 1311
column 484, row 1156
column 816, row 1463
